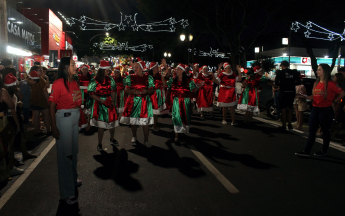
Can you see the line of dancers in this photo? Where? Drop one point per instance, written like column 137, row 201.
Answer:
column 136, row 95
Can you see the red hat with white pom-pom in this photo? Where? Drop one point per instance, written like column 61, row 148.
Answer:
column 142, row 64
column 196, row 64
column 117, row 68
column 104, row 64
column 10, row 80
column 181, row 66
column 85, row 66
column 153, row 64
column 33, row 75
column 226, row 64
column 257, row 69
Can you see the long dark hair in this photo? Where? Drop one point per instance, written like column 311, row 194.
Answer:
column 326, row 76
column 63, row 70
column 184, row 78
column 100, row 74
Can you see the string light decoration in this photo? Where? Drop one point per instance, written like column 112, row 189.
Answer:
column 211, row 53
column 121, row 46
column 87, row 23
column 311, row 27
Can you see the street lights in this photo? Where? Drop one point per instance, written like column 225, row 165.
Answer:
column 190, row 38
column 107, row 34
column 167, row 54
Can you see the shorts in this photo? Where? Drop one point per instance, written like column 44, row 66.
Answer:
column 26, row 114
column 37, row 107
column 286, row 100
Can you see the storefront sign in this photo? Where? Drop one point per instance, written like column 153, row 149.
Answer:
column 22, row 33
column 305, row 61
column 65, row 53
column 38, row 58
column 56, row 38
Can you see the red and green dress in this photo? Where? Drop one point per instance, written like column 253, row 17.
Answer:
column 249, row 99
column 121, row 97
column 205, row 95
column 158, row 96
column 83, row 84
column 103, row 115
column 227, row 96
column 181, row 106
column 138, row 108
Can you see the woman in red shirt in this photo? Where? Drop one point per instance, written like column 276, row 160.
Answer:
column 66, row 97
column 325, row 93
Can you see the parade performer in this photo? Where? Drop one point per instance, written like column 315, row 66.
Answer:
column 102, row 89
column 227, row 93
column 84, row 79
column 120, row 91
column 158, row 96
column 249, row 99
column 138, row 107
column 66, row 98
column 180, row 87
column 205, row 95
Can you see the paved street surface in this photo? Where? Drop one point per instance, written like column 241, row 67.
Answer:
column 221, row 170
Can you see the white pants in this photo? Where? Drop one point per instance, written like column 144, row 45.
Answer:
column 67, row 122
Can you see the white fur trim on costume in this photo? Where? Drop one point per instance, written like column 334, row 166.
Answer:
column 249, row 108
column 162, row 107
column 205, row 109
column 33, row 77
column 83, row 126
column 105, row 125
column 258, row 70
column 87, row 111
column 181, row 129
column 11, row 84
column 228, row 73
column 83, row 87
column 218, row 79
column 221, row 104
column 106, row 67
column 154, row 65
column 120, row 110
column 156, row 111
column 136, row 121
column 181, row 67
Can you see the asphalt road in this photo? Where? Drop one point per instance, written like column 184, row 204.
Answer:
column 193, row 179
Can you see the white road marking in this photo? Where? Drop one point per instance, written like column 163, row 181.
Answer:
column 8, row 194
column 227, row 184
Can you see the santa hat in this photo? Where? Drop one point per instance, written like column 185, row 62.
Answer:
column 104, row 65
column 153, row 64
column 85, row 66
column 10, row 80
column 117, row 68
column 196, row 64
column 33, row 75
column 257, row 69
column 205, row 66
column 226, row 64
column 142, row 64
column 130, row 68
column 182, row 66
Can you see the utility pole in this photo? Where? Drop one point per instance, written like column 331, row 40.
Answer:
column 289, row 44
column 3, row 29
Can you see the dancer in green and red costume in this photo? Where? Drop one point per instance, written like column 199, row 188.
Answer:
column 102, row 89
column 121, row 97
column 138, row 108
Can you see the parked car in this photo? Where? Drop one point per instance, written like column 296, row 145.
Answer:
column 267, row 101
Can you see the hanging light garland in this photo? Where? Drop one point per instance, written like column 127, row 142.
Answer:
column 87, row 23
column 210, row 53
column 316, row 29
column 121, row 46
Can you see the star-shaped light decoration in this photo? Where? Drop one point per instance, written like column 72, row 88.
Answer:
column 149, row 28
column 309, row 25
column 331, row 36
column 121, row 27
column 150, row 46
column 82, row 19
column 307, row 34
column 71, row 21
column 184, row 23
column 295, row 26
column 135, row 26
column 189, row 50
column 172, row 21
column 172, row 28
column 83, row 27
column 128, row 18
column 107, row 27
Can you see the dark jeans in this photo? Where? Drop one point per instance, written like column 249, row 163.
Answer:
column 322, row 116
column 276, row 102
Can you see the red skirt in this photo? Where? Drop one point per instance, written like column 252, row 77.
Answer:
column 227, row 97
column 205, row 99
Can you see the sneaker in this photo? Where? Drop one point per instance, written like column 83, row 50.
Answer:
column 71, row 200
column 99, row 147
column 320, row 153
column 290, row 127
column 302, row 154
column 234, row 123
column 16, row 171
column 79, row 183
column 114, row 141
column 224, row 122
column 134, row 140
column 147, row 144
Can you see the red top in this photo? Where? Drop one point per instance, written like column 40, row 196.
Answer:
column 140, row 83
column 65, row 99
column 208, row 79
column 319, row 91
column 158, row 81
column 84, row 81
column 101, row 87
column 119, row 82
column 227, row 80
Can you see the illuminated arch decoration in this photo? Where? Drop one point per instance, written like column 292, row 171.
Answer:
column 122, row 46
column 87, row 23
column 211, row 53
column 317, row 32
